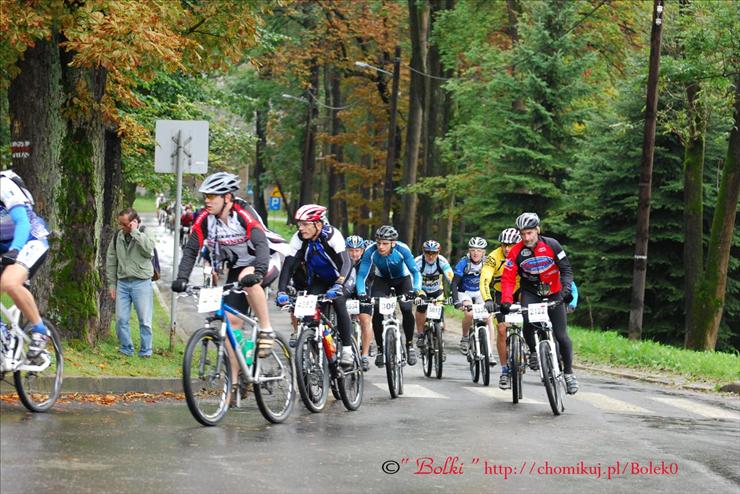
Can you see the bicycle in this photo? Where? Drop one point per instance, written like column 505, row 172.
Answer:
column 353, row 309
column 316, row 359
column 38, row 381
column 432, row 357
column 547, row 354
column 478, row 352
column 516, row 353
column 206, row 369
column 394, row 348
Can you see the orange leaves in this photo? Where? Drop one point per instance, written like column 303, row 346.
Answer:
column 108, row 399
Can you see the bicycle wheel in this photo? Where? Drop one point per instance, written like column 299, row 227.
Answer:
column 485, row 360
column 206, row 381
column 473, row 359
column 352, row 382
column 391, row 363
column 273, row 388
column 439, row 348
column 312, row 369
column 39, row 389
column 551, row 386
column 427, row 355
column 513, row 360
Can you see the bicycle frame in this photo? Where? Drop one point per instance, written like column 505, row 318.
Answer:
column 16, row 361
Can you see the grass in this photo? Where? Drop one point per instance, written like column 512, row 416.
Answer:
column 145, row 204
column 276, row 223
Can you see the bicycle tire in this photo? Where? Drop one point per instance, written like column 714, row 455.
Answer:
column 313, row 377
column 391, row 363
column 39, row 391
column 352, row 382
column 512, row 360
column 548, row 378
column 201, row 400
column 275, row 397
column 427, row 356
column 473, row 359
column 485, row 360
column 439, row 348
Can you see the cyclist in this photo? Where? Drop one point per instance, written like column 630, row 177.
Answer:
column 23, row 249
column 466, row 287
column 186, row 222
column 355, row 248
column 321, row 247
column 235, row 236
column 434, row 268
column 491, row 274
column 545, row 273
column 394, row 267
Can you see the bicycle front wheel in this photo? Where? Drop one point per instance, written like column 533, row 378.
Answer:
column 485, row 360
column 554, row 395
column 515, row 368
column 439, row 349
column 427, row 355
column 313, row 371
column 473, row 359
column 352, row 382
column 206, row 377
column 273, row 389
column 39, row 385
column 392, row 369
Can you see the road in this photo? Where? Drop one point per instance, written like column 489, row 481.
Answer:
column 448, row 435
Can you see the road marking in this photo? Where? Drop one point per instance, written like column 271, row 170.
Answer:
column 414, row 391
column 610, row 404
column 499, row 394
column 699, row 408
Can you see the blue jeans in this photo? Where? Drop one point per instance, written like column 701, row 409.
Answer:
column 141, row 294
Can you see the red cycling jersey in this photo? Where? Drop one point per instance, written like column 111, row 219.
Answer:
column 543, row 270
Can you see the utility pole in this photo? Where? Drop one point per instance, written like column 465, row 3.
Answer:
column 391, row 157
column 637, row 304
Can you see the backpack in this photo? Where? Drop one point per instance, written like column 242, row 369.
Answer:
column 155, row 257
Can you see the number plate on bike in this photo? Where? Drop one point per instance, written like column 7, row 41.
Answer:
column 305, row 305
column 480, row 312
column 353, row 307
column 209, row 299
column 514, row 319
column 434, row 312
column 387, row 305
column 538, row 313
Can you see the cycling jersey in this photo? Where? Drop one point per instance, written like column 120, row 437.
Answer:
column 492, row 270
column 468, row 273
column 399, row 263
column 431, row 274
column 543, row 270
column 325, row 258
column 19, row 224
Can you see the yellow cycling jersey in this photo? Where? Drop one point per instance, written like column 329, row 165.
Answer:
column 491, row 273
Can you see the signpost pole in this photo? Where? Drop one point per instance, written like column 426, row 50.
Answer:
column 176, row 249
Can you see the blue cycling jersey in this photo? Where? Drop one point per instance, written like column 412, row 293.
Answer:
column 469, row 273
column 399, row 263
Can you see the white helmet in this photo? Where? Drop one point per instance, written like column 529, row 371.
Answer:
column 510, row 236
column 527, row 221
column 477, row 243
column 311, row 212
column 220, row 183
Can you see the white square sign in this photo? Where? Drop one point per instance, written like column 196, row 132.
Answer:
column 193, row 150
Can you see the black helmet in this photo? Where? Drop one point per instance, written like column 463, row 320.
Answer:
column 386, row 232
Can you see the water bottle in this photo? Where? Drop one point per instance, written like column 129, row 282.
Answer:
column 329, row 346
column 246, row 346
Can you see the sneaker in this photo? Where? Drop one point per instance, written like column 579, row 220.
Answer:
column 571, row 384
column 293, row 341
column 265, row 339
column 38, row 344
column 464, row 345
column 347, row 358
column 504, row 382
column 365, row 363
column 533, row 363
column 420, row 342
column 379, row 360
column 411, row 359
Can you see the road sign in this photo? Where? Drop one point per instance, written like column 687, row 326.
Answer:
column 275, row 192
column 275, row 204
column 192, row 150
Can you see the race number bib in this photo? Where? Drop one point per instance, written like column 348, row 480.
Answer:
column 538, row 313
column 305, row 305
column 515, row 318
column 480, row 312
column 353, row 307
column 209, row 299
column 387, row 305
column 434, row 312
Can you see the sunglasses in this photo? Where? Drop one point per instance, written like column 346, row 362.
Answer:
column 430, row 252
column 211, row 197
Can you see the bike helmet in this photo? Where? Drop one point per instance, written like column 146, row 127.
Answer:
column 386, row 232
column 510, row 236
column 354, row 242
column 220, row 183
column 311, row 212
column 527, row 221
column 431, row 246
column 477, row 243
column 369, row 243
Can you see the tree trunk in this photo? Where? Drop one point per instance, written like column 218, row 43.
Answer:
column 337, row 205
column 35, row 98
column 709, row 294
column 259, row 163
column 307, row 193
column 419, row 32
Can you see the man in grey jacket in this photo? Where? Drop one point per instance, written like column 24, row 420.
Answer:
column 129, row 275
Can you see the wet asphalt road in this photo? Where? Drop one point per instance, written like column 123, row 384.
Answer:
column 605, row 441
